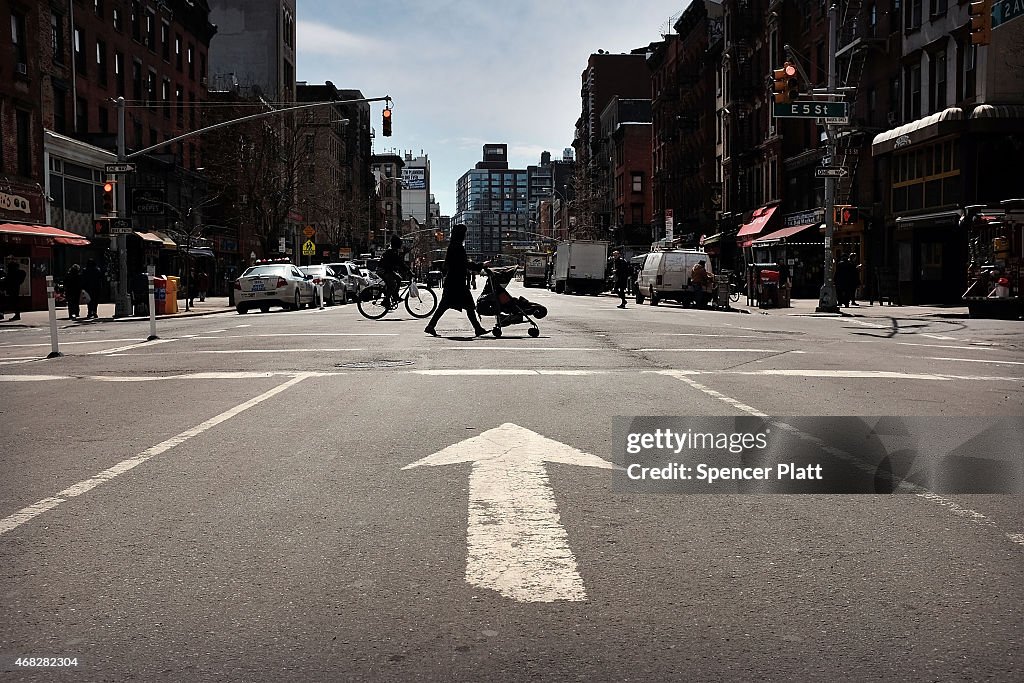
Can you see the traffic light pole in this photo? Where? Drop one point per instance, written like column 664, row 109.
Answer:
column 122, row 304
column 827, row 297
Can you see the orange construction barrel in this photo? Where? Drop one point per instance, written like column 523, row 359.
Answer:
column 172, row 294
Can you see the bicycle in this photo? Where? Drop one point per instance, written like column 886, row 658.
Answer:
column 735, row 287
column 420, row 300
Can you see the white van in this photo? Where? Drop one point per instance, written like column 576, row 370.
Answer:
column 666, row 275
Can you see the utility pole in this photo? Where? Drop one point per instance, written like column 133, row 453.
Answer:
column 827, row 297
column 122, row 304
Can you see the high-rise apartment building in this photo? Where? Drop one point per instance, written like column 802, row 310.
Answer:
column 493, row 203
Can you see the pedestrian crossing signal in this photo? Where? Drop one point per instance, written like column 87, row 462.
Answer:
column 845, row 215
column 386, row 124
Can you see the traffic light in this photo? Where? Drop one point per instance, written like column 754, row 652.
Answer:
column 981, row 22
column 386, row 125
column 439, row 235
column 108, row 197
column 786, row 84
column 845, row 215
column 99, row 228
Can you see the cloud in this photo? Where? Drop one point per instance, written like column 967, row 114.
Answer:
column 322, row 39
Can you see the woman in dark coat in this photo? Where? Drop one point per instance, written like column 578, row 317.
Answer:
column 73, row 290
column 455, row 292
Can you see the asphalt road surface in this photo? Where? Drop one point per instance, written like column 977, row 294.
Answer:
column 315, row 496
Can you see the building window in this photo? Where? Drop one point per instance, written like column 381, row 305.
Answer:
column 80, row 51
column 101, row 61
column 137, row 80
column 82, row 115
column 202, row 67
column 151, row 90
column 638, row 182
column 177, row 51
column 56, row 37
column 914, row 15
column 18, row 38
column 60, row 109
column 104, row 119
column 191, row 65
column 873, row 21
column 179, row 98
column 136, row 20
column 913, row 109
column 116, row 14
column 97, row 8
column 151, row 31
column 967, row 54
column 165, row 97
column 165, row 41
column 23, row 121
column 926, row 178
column 119, row 73
column 938, row 81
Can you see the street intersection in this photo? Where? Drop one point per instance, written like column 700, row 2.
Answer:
column 314, row 495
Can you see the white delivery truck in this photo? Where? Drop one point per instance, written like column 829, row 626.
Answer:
column 666, row 275
column 535, row 270
column 580, row 266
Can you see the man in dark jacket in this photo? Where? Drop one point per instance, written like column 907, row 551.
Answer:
column 92, row 282
column 73, row 290
column 455, row 293
column 392, row 269
column 622, row 269
column 11, row 287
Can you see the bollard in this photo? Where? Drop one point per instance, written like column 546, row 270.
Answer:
column 320, row 293
column 51, row 304
column 152, row 305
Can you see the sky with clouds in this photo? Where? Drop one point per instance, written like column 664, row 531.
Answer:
column 463, row 73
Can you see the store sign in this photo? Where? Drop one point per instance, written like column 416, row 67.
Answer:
column 804, row 217
column 14, row 202
column 148, row 201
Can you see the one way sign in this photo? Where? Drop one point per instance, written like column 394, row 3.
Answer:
column 831, row 172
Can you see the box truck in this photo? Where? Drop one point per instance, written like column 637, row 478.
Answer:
column 580, row 266
column 535, row 270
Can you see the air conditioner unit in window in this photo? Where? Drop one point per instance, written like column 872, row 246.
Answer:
column 21, row 68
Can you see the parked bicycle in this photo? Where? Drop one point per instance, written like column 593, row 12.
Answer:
column 420, row 300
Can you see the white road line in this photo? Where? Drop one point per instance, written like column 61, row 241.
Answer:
column 69, row 343
column 229, row 351
column 702, row 334
column 31, row 378
column 26, row 514
column 974, row 360
column 21, row 359
column 485, row 372
column 938, row 336
column 474, row 347
column 948, row 346
column 130, row 346
column 715, row 350
column 921, row 492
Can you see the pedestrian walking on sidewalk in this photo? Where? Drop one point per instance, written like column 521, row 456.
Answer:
column 854, row 276
column 92, row 284
column 621, row 268
column 455, row 291
column 73, row 290
column 11, row 286
column 202, row 283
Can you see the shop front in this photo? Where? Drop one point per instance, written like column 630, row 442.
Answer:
column 33, row 248
column 797, row 251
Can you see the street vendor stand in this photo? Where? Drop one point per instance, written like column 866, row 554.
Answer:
column 996, row 261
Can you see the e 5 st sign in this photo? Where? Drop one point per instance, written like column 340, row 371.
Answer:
column 810, row 110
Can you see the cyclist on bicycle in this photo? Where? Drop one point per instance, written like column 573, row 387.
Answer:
column 392, row 270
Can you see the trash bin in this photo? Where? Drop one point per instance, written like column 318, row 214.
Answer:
column 172, row 294
column 160, row 294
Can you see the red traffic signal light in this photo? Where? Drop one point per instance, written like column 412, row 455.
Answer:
column 108, row 197
column 786, row 86
column 99, row 227
column 981, row 22
column 386, row 123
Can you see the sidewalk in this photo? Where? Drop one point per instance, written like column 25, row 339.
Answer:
column 212, row 305
column 806, row 307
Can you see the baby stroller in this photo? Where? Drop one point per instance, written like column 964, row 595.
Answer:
column 495, row 300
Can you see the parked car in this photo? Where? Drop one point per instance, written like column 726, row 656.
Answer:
column 349, row 274
column 334, row 289
column 273, row 284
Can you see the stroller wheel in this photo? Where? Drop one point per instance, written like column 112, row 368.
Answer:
column 539, row 312
column 496, row 331
column 534, row 331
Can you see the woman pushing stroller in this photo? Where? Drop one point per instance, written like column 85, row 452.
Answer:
column 455, row 291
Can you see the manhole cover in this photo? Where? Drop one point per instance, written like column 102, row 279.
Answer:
column 372, row 364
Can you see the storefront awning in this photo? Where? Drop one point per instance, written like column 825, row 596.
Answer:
column 779, row 235
column 148, row 237
column 56, row 235
column 939, row 123
column 201, row 251
column 712, row 240
column 166, row 242
column 757, row 223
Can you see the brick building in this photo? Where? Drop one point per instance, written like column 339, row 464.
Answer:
column 626, row 135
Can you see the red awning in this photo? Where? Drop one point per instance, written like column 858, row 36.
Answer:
column 56, row 234
column 758, row 222
column 784, row 233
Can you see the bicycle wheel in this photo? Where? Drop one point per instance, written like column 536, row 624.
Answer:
column 421, row 305
column 734, row 295
column 371, row 302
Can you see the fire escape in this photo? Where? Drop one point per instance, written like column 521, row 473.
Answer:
column 747, row 86
column 856, row 39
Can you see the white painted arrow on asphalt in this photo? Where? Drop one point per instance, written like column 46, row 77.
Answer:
column 517, row 545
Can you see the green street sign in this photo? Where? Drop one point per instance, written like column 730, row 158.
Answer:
column 809, row 110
